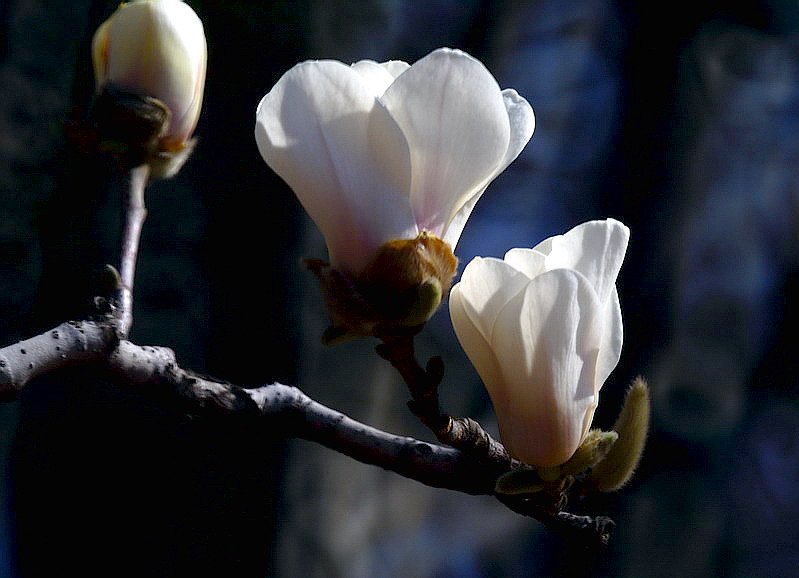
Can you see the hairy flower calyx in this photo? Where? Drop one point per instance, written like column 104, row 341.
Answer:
column 407, row 278
column 398, row 291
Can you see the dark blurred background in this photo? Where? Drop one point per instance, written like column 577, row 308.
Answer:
column 681, row 121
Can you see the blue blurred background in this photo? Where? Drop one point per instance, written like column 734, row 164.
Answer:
column 682, row 122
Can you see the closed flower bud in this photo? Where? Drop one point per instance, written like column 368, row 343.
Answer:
column 543, row 329
column 156, row 49
column 632, row 426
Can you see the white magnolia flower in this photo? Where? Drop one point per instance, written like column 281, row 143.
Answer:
column 543, row 329
column 383, row 151
column 155, row 48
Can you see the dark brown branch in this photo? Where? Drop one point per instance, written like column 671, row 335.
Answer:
column 422, row 382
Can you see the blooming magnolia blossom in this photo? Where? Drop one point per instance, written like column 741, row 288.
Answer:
column 384, row 151
column 155, row 48
column 543, row 329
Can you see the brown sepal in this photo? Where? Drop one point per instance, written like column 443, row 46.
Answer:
column 398, row 291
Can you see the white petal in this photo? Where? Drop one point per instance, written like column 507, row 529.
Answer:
column 183, row 126
column 395, row 67
column 612, row 339
column 522, row 124
column 546, row 341
column 322, row 130
column 476, row 347
column 595, row 249
column 545, row 246
column 528, row 261
column 486, row 285
column 452, row 112
column 453, row 230
column 376, row 76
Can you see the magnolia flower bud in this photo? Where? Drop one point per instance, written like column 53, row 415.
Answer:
column 632, row 426
column 155, row 48
column 386, row 152
column 543, row 329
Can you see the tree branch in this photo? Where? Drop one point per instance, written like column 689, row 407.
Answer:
column 462, row 433
column 287, row 408
column 134, row 213
column 70, row 343
column 296, row 413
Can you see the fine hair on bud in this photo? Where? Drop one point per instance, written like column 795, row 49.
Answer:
column 524, row 480
column 595, row 447
column 407, row 278
column 632, row 426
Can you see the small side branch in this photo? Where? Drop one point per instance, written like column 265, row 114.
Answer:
column 133, row 214
column 422, row 382
column 464, row 434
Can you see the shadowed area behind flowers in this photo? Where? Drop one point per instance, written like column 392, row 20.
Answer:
column 678, row 124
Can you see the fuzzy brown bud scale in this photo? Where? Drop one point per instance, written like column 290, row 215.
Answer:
column 401, row 288
column 131, row 129
column 391, row 282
